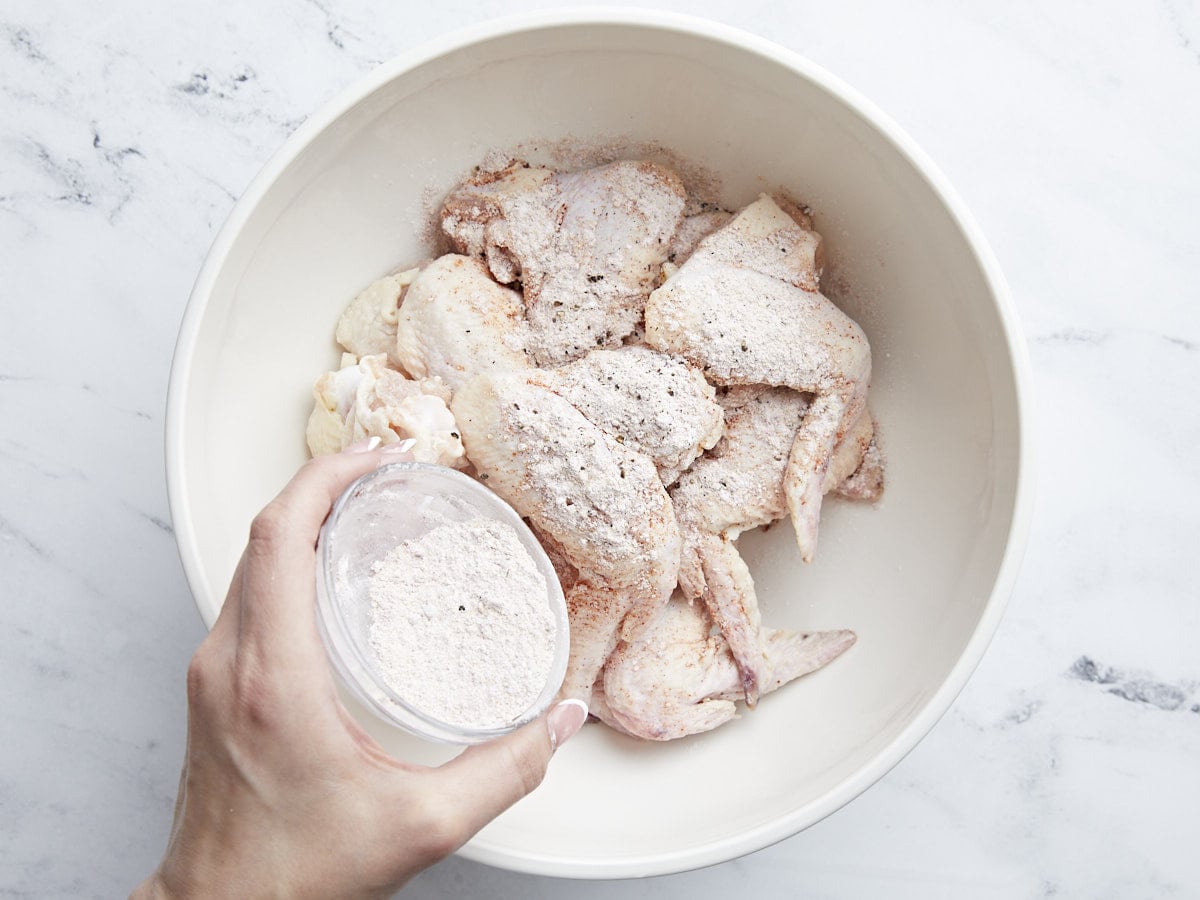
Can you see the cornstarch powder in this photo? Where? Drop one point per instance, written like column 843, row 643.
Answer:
column 460, row 626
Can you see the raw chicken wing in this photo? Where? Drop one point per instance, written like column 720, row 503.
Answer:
column 678, row 679
column 367, row 399
column 456, row 322
column 653, row 403
column 600, row 503
column 866, row 482
column 692, row 230
column 738, row 486
column 368, row 326
column 586, row 246
column 856, row 469
column 745, row 308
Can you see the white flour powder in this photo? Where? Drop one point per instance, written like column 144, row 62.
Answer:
column 460, row 626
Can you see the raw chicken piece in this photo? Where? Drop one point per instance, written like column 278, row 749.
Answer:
column 367, row 399
column 368, row 326
column 601, row 503
column 474, row 216
column 586, row 246
column 856, row 468
column 770, row 237
column 738, row 486
column 745, row 308
column 653, row 403
column 678, row 679
column 692, row 230
column 456, row 322
column 567, row 574
column 866, row 482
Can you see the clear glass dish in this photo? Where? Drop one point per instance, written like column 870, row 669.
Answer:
column 392, row 504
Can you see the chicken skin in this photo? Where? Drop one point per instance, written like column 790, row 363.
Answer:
column 741, row 485
column 643, row 376
column 456, row 322
column 692, row 230
column 367, row 399
column 736, row 487
column 368, row 325
column 745, row 308
column 653, row 403
column 601, row 504
column 586, row 246
column 679, row 679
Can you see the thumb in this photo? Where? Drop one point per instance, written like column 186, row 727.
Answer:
column 486, row 779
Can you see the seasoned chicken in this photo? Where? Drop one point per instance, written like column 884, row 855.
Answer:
column 692, row 230
column 736, row 487
column 456, row 322
column 586, row 246
column 866, row 482
column 740, row 485
column 643, row 376
column 678, row 679
column 368, row 326
column 746, row 309
column 653, row 403
column 367, row 399
column 856, row 469
column 601, row 504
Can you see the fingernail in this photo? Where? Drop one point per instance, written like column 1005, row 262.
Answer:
column 564, row 720
column 364, row 446
column 398, row 449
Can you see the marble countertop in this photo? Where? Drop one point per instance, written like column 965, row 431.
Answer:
column 1069, row 767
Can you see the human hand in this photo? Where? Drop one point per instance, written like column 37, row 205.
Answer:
column 282, row 793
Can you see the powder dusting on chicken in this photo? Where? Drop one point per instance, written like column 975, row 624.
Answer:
column 643, row 374
column 586, row 246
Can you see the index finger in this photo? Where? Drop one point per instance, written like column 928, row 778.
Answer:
column 279, row 587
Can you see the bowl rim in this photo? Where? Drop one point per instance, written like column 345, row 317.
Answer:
column 480, row 848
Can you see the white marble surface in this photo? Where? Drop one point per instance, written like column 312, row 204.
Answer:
column 1069, row 767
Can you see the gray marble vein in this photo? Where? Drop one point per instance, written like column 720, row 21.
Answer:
column 1182, row 20
column 1136, row 688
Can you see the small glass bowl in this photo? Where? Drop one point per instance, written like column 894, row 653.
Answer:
column 395, row 503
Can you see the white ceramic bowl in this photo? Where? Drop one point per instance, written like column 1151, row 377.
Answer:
column 922, row 578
